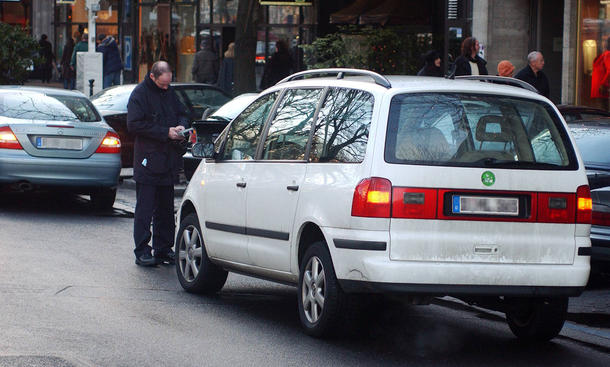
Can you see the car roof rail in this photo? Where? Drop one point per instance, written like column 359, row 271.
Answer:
column 340, row 72
column 500, row 80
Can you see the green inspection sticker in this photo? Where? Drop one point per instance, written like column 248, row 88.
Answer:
column 488, row 178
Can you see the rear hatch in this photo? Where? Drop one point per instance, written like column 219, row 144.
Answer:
column 61, row 126
column 481, row 178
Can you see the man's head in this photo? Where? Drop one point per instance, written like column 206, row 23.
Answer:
column 101, row 37
column 84, row 37
column 535, row 61
column 161, row 74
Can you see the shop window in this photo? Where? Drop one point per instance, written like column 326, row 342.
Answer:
column 284, row 14
column 184, row 25
column 225, row 11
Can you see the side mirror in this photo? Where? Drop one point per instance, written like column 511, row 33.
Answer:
column 207, row 131
column 203, row 150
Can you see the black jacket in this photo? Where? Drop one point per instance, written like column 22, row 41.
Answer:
column 151, row 111
column 539, row 81
column 462, row 65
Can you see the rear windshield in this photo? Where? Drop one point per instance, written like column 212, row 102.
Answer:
column 469, row 130
column 113, row 99
column 33, row 106
column 593, row 144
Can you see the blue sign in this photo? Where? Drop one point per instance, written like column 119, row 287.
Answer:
column 127, row 45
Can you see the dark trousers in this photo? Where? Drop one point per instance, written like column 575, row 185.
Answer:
column 154, row 204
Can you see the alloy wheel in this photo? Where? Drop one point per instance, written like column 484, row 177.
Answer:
column 314, row 290
column 190, row 253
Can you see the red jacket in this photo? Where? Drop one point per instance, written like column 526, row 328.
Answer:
column 601, row 76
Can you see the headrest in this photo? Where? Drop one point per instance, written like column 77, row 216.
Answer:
column 494, row 128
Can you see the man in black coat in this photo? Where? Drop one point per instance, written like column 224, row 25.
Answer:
column 533, row 74
column 155, row 117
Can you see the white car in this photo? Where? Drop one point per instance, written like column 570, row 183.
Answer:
column 424, row 187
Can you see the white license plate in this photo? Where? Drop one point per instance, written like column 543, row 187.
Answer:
column 483, row 205
column 43, row 142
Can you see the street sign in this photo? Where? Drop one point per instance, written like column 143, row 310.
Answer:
column 127, row 52
column 286, row 2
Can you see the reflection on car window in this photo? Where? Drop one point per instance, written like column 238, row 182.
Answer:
column 113, row 99
column 593, row 144
column 289, row 132
column 245, row 130
column 474, row 130
column 34, row 106
column 197, row 100
column 342, row 128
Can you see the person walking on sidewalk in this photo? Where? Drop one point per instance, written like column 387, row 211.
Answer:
column 81, row 46
column 470, row 63
column 112, row 63
column 67, row 74
column 48, row 59
column 532, row 73
column 156, row 118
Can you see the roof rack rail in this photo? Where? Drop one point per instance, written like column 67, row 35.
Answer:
column 500, row 80
column 340, row 72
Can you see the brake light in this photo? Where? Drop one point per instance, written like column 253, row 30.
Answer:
column 110, row 144
column 193, row 137
column 584, row 205
column 372, row 198
column 8, row 140
column 556, row 207
column 414, row 203
column 601, row 219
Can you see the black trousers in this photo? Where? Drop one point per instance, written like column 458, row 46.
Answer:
column 154, row 204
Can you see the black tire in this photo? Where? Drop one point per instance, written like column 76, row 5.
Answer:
column 335, row 303
column 196, row 273
column 536, row 320
column 103, row 198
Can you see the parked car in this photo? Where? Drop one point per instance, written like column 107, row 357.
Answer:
column 593, row 140
column 215, row 123
column 360, row 183
column 112, row 104
column 55, row 138
column 577, row 113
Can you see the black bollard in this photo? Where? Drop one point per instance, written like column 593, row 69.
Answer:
column 91, row 87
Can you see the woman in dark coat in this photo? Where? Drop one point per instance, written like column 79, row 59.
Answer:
column 278, row 67
column 470, row 63
column 432, row 66
column 67, row 74
column 225, row 78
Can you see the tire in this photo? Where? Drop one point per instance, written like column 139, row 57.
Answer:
column 537, row 320
column 103, row 199
column 321, row 300
column 196, row 273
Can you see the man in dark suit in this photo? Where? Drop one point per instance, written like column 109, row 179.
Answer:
column 156, row 117
column 532, row 73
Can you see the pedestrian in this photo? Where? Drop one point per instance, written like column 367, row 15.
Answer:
column 67, row 74
column 81, row 46
column 506, row 69
column 600, row 80
column 532, row 73
column 278, row 66
column 47, row 62
column 469, row 62
column 225, row 78
column 206, row 65
column 432, row 66
column 155, row 117
column 112, row 64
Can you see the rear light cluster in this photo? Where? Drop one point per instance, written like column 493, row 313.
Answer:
column 8, row 140
column 375, row 197
column 601, row 219
column 110, row 144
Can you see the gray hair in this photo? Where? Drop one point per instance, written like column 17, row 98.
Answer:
column 159, row 68
column 533, row 56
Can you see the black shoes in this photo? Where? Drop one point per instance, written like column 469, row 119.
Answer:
column 146, row 260
column 168, row 257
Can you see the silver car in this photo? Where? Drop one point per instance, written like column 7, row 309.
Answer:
column 56, row 138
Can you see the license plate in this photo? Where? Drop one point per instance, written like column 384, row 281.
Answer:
column 483, row 205
column 43, row 142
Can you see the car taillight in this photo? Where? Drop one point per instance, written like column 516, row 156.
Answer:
column 601, row 219
column 8, row 140
column 110, row 144
column 556, row 207
column 193, row 137
column 372, row 198
column 584, row 205
column 414, row 203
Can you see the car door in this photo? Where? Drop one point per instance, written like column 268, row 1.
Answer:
column 225, row 184
column 275, row 180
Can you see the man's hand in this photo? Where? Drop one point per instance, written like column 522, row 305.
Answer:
column 174, row 132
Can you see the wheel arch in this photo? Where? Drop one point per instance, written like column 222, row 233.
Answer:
column 309, row 234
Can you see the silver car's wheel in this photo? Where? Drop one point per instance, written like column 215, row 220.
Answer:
column 314, row 290
column 190, row 253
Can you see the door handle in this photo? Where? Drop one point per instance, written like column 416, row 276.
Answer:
column 293, row 188
column 240, row 184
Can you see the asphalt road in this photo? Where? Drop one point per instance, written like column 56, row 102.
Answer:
column 71, row 295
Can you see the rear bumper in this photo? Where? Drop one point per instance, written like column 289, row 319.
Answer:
column 99, row 170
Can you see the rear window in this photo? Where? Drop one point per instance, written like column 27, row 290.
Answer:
column 593, row 144
column 113, row 99
column 33, row 106
column 468, row 130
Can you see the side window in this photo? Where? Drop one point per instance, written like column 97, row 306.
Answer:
column 342, row 129
column 245, row 130
column 289, row 131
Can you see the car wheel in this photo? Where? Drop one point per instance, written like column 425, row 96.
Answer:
column 103, row 199
column 536, row 320
column 196, row 273
column 320, row 298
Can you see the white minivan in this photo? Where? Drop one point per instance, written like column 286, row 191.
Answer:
column 360, row 184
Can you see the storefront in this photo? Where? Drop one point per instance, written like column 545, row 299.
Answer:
column 16, row 12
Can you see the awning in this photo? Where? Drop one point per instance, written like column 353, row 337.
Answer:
column 351, row 13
